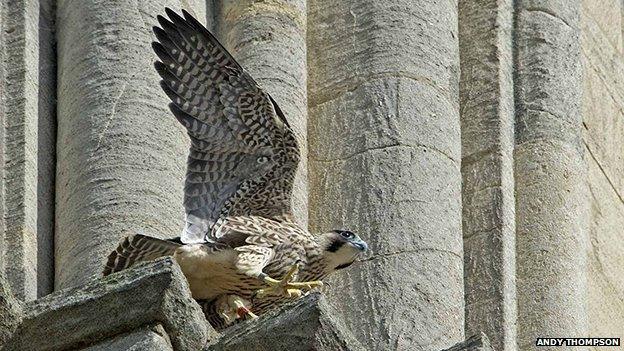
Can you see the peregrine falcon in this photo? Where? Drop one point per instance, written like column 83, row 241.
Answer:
column 241, row 250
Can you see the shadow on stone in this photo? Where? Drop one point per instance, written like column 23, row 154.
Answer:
column 309, row 324
column 478, row 342
column 147, row 295
column 147, row 338
column 10, row 312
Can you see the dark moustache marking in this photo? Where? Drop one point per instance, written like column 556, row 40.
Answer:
column 335, row 246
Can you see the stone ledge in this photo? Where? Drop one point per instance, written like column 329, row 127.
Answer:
column 148, row 294
column 478, row 342
column 308, row 324
column 148, row 338
column 10, row 311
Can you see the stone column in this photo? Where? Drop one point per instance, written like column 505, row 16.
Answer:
column 384, row 136
column 28, row 138
column 268, row 38
column 487, row 126
column 121, row 154
column 550, row 173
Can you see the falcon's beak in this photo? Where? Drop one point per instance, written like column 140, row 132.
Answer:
column 359, row 244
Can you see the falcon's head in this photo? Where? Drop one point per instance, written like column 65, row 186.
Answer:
column 342, row 247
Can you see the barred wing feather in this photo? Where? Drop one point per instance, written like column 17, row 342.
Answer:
column 243, row 154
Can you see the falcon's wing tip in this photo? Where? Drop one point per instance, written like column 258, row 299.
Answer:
column 186, row 13
column 190, row 18
column 177, row 112
column 176, row 19
column 160, row 67
column 160, row 33
column 160, row 18
column 165, row 23
column 173, row 14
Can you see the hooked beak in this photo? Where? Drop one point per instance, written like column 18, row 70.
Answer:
column 360, row 245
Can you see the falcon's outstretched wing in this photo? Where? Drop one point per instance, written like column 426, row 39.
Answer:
column 243, row 153
column 138, row 248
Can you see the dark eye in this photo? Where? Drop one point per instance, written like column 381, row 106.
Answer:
column 347, row 235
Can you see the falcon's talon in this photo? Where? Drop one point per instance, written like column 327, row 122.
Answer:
column 286, row 287
column 294, row 293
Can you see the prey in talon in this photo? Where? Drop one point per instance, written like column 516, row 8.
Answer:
column 233, row 307
column 241, row 249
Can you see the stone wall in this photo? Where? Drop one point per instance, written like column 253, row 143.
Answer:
column 27, row 90
column 477, row 145
column 385, row 162
column 121, row 157
column 487, row 123
column 603, row 137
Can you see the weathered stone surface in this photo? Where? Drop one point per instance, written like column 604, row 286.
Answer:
column 2, row 132
column 268, row 38
column 10, row 311
column 550, row 173
column 478, row 342
column 487, row 125
column 122, row 155
column 28, row 146
column 384, row 161
column 603, row 121
column 19, row 89
column 606, row 258
column 151, row 293
column 308, row 324
column 153, row 339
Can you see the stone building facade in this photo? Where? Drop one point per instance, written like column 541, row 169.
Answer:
column 476, row 144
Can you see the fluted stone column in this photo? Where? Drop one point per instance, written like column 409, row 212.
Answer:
column 19, row 150
column 121, row 154
column 487, row 125
column 27, row 151
column 384, row 161
column 268, row 39
column 550, row 173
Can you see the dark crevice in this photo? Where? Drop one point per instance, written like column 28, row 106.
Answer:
column 2, row 138
column 46, row 147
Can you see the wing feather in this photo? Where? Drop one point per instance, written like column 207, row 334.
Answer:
column 243, row 153
column 138, row 248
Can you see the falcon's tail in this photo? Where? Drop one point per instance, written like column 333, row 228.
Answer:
column 138, row 248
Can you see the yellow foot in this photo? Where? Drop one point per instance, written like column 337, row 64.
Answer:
column 286, row 287
column 233, row 307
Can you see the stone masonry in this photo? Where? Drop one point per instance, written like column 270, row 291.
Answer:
column 385, row 161
column 477, row 145
column 487, row 123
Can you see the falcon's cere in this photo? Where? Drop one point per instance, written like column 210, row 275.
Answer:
column 240, row 250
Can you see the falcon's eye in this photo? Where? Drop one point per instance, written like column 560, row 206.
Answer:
column 262, row 160
column 347, row 235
